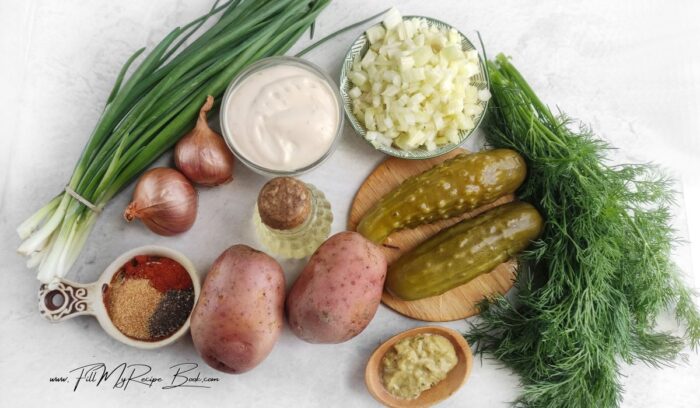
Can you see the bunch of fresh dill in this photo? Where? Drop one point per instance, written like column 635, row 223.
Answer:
column 591, row 288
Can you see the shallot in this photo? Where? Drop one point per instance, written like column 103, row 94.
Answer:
column 165, row 201
column 202, row 154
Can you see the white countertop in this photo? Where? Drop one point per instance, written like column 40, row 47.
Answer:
column 631, row 69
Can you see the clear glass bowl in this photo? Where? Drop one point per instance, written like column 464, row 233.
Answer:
column 360, row 47
column 258, row 66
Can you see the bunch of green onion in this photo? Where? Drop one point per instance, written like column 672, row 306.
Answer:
column 148, row 111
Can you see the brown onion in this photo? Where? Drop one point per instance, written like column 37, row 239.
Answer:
column 202, row 154
column 164, row 200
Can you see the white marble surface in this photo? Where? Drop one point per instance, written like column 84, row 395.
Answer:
column 629, row 68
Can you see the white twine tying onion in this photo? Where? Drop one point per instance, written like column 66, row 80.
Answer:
column 165, row 201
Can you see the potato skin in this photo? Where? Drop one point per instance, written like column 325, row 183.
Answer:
column 240, row 311
column 339, row 290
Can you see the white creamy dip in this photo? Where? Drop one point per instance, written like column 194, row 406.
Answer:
column 282, row 117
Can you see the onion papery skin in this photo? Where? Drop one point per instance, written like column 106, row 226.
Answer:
column 165, row 201
column 202, row 155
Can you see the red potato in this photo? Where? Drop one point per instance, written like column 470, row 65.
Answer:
column 240, row 311
column 339, row 290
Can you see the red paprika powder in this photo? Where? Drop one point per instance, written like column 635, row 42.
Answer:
column 163, row 273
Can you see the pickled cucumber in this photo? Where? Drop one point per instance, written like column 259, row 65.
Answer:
column 453, row 187
column 464, row 251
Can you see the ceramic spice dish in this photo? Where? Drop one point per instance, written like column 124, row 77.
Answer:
column 65, row 299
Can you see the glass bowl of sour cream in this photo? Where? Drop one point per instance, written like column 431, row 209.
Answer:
column 282, row 116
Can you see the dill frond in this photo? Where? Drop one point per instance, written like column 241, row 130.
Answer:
column 590, row 289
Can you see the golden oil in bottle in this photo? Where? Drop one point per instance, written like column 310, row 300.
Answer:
column 292, row 218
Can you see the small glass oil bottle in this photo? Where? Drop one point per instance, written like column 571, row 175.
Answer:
column 292, row 218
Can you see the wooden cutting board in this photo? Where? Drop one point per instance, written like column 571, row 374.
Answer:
column 454, row 304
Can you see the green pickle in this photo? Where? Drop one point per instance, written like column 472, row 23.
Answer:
column 464, row 251
column 451, row 188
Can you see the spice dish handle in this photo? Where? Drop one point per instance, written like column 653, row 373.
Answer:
column 63, row 299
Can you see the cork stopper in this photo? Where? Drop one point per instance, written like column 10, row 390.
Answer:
column 284, row 203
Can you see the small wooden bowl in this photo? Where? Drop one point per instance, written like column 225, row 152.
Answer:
column 440, row 391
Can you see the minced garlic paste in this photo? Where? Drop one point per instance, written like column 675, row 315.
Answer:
column 417, row 363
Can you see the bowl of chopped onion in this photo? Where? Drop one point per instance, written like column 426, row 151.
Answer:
column 414, row 87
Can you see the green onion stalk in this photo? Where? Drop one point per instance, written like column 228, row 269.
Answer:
column 149, row 110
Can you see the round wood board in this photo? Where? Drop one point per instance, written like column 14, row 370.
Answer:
column 454, row 304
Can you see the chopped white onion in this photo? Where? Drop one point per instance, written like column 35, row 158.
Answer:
column 392, row 19
column 413, row 87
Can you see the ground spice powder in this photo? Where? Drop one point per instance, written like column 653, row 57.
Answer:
column 172, row 312
column 150, row 297
column 132, row 302
column 164, row 273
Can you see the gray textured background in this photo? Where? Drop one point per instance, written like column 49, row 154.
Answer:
column 631, row 69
